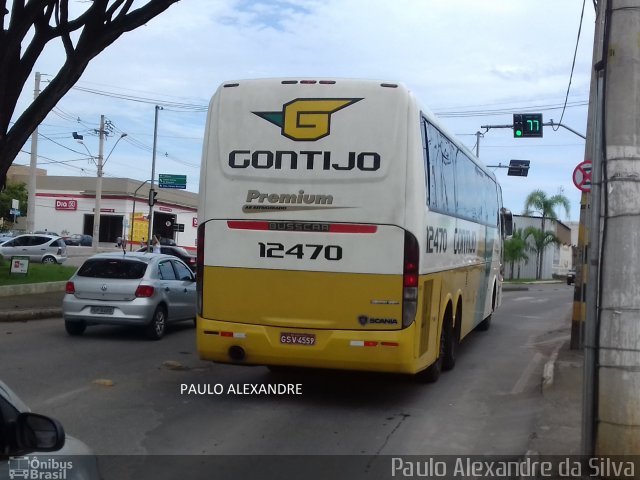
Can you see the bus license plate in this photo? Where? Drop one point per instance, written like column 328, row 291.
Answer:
column 308, row 339
column 102, row 310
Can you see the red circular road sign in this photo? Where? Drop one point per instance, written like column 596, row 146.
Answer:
column 582, row 176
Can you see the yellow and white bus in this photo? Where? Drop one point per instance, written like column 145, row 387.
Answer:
column 341, row 226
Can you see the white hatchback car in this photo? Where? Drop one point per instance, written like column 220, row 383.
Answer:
column 144, row 289
column 38, row 247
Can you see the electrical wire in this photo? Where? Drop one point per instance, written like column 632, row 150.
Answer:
column 573, row 65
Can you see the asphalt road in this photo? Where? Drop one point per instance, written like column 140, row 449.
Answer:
column 121, row 394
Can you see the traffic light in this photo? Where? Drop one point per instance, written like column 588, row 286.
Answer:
column 152, row 197
column 527, row 125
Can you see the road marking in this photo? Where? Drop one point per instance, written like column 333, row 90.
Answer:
column 64, row 396
column 548, row 341
column 522, row 382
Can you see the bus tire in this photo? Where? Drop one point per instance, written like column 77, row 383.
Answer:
column 451, row 341
column 484, row 325
column 431, row 374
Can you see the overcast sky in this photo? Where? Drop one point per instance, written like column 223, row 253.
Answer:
column 472, row 62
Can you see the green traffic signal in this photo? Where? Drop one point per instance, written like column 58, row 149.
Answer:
column 527, row 125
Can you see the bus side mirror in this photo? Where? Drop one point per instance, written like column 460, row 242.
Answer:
column 506, row 220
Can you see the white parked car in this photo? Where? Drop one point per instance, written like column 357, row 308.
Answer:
column 38, row 247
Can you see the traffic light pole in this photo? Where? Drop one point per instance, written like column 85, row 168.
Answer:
column 551, row 123
column 153, row 176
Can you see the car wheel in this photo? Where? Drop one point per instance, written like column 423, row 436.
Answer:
column 49, row 260
column 75, row 328
column 156, row 329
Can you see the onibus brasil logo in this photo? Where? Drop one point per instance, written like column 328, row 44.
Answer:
column 307, row 119
column 38, row 468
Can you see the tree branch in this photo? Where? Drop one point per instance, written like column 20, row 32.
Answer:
column 101, row 24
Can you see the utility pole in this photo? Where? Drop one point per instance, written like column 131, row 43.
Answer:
column 478, row 136
column 586, row 294
column 618, row 389
column 33, row 164
column 96, row 211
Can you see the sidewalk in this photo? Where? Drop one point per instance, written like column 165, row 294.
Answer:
column 558, row 428
column 32, row 306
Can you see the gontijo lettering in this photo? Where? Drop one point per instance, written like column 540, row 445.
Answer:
column 309, row 160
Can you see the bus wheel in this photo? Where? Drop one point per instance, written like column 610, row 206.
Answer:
column 451, row 343
column 484, row 325
column 432, row 373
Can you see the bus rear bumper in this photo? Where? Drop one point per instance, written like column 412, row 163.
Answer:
column 380, row 350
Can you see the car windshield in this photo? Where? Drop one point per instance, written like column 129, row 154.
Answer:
column 112, row 268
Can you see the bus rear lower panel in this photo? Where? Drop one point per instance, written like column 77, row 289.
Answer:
column 311, row 319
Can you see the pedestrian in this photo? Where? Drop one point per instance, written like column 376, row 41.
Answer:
column 156, row 245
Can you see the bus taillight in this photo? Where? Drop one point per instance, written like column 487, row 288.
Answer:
column 410, row 276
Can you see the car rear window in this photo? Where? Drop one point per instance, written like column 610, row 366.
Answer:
column 112, row 268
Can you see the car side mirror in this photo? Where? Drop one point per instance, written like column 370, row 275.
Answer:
column 35, row 432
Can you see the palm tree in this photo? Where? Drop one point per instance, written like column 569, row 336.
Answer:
column 538, row 202
column 515, row 250
column 540, row 241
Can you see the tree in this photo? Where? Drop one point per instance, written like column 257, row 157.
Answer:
column 515, row 249
column 13, row 191
column 33, row 25
column 538, row 202
column 539, row 242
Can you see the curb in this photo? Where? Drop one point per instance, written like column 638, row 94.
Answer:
column 32, row 288
column 33, row 314
column 514, row 288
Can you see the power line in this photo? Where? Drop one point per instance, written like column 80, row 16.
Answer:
column 573, row 65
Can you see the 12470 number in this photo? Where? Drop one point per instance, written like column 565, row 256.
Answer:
column 300, row 251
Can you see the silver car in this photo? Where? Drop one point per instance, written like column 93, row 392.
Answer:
column 38, row 247
column 144, row 289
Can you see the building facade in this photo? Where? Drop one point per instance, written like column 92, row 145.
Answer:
column 66, row 205
column 557, row 259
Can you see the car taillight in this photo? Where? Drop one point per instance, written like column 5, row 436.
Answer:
column 410, row 277
column 144, row 291
column 70, row 288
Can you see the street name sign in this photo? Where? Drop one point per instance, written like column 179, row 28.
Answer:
column 172, row 181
